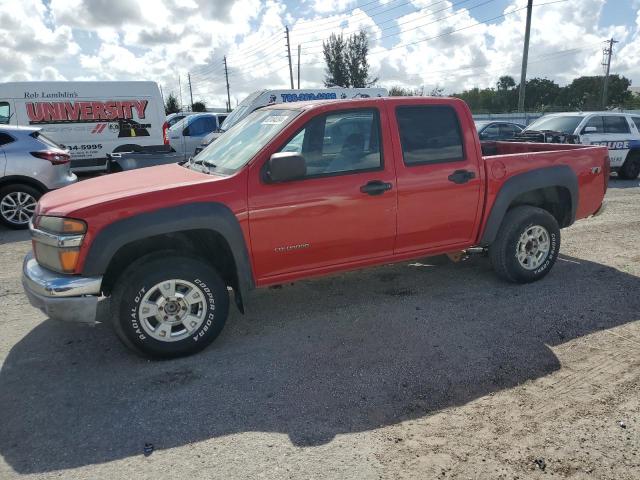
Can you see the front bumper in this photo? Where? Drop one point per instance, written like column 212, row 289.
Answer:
column 62, row 297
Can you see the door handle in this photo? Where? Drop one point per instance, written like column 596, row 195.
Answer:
column 375, row 187
column 461, row 176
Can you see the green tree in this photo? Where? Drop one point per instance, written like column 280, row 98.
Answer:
column 505, row 83
column 198, row 107
column 398, row 91
column 346, row 61
column 541, row 93
column 585, row 93
column 171, row 105
column 334, row 50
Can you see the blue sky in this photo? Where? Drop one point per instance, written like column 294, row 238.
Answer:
column 418, row 43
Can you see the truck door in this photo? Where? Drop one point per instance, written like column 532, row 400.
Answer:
column 439, row 180
column 342, row 212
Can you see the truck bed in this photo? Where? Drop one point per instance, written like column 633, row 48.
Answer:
column 503, row 160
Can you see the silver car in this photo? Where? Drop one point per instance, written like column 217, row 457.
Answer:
column 30, row 165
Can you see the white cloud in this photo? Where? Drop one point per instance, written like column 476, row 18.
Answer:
column 163, row 39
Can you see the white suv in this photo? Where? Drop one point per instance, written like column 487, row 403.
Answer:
column 620, row 132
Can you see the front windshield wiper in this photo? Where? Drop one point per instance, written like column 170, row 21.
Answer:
column 200, row 163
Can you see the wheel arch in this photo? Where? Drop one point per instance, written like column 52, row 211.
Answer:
column 554, row 189
column 23, row 180
column 206, row 230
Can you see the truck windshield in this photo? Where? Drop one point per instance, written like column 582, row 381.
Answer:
column 236, row 147
column 565, row 124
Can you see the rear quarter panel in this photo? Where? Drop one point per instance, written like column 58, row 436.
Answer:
column 587, row 162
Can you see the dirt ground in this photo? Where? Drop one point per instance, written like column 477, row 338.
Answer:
column 419, row 370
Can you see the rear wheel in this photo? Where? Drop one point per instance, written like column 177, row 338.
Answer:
column 17, row 204
column 631, row 167
column 526, row 246
column 169, row 307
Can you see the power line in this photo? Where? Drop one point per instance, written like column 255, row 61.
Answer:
column 459, row 12
column 426, row 14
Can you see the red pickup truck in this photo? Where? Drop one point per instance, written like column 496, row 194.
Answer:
column 297, row 191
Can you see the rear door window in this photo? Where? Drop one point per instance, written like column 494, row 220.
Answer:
column 508, row 130
column 595, row 122
column 492, row 132
column 636, row 120
column 616, row 124
column 5, row 113
column 429, row 134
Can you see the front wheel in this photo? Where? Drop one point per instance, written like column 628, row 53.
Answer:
column 527, row 245
column 169, row 307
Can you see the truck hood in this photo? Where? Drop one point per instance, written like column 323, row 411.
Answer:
column 117, row 186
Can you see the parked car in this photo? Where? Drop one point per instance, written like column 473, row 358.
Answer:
column 275, row 200
column 30, row 165
column 619, row 132
column 186, row 135
column 174, row 118
column 497, row 130
column 90, row 119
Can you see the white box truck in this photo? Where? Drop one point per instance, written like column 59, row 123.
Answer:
column 90, row 119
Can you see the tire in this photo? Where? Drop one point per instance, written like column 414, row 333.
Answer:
column 527, row 245
column 17, row 204
column 182, row 324
column 631, row 167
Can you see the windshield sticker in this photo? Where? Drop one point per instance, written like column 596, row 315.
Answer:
column 274, row 120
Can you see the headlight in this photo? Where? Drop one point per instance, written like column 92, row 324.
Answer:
column 57, row 241
column 61, row 225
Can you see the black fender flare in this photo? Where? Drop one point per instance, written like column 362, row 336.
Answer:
column 557, row 176
column 194, row 216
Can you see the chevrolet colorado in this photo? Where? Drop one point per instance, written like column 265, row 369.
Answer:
column 297, row 191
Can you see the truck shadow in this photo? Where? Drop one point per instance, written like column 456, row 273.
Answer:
column 337, row 355
column 618, row 183
column 10, row 236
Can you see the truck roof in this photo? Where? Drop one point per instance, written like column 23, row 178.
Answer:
column 309, row 104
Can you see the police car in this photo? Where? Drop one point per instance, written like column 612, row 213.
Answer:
column 620, row 132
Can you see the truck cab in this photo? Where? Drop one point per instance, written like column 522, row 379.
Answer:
column 294, row 192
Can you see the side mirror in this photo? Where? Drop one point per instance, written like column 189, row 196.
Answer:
column 185, row 132
column 285, row 166
column 590, row 130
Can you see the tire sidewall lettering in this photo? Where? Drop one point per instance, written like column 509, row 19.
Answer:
column 550, row 256
column 133, row 317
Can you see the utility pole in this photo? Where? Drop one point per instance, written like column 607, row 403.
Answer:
column 190, row 91
column 180, row 88
column 286, row 29
column 299, row 49
column 608, row 53
column 226, row 76
column 525, row 58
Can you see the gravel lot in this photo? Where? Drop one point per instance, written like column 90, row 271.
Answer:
column 424, row 370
